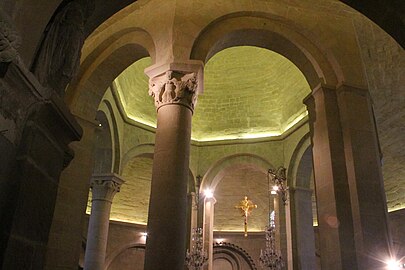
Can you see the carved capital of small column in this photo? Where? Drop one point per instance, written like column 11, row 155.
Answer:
column 105, row 186
column 9, row 39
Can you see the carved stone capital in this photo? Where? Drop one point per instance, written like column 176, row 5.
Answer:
column 105, row 186
column 174, row 87
column 10, row 41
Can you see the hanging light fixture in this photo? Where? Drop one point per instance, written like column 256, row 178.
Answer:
column 279, row 183
column 269, row 257
column 196, row 258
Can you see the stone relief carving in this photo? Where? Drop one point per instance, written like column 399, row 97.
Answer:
column 174, row 87
column 58, row 58
column 9, row 40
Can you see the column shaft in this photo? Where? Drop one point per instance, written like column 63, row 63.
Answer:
column 97, row 235
column 288, row 230
column 193, row 216
column 104, row 188
column 209, row 229
column 165, row 246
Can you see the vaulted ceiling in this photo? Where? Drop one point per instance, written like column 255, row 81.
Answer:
column 249, row 92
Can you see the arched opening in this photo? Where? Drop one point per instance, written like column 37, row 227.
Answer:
column 103, row 145
column 333, row 46
column 303, row 208
column 93, row 84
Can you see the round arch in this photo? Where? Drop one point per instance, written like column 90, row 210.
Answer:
column 295, row 164
column 100, row 67
column 120, row 250
column 147, row 150
column 222, row 167
column 103, row 153
column 115, row 137
column 279, row 35
column 302, row 206
column 141, row 150
column 233, row 250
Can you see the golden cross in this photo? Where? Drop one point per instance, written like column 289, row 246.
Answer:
column 246, row 207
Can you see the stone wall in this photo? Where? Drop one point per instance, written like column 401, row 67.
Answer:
column 125, row 248
column 384, row 66
column 136, row 146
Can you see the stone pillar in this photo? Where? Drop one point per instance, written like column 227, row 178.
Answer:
column 175, row 92
column 303, row 229
column 208, row 229
column 368, row 201
column 103, row 187
column 351, row 203
column 71, row 203
column 36, row 130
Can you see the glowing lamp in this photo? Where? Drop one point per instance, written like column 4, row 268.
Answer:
column 208, row 193
column 392, row 264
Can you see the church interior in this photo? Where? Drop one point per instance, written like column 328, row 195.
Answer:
column 191, row 134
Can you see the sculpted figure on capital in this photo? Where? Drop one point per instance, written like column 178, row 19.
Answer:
column 174, row 87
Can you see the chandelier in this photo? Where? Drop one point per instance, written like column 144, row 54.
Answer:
column 269, row 258
column 196, row 258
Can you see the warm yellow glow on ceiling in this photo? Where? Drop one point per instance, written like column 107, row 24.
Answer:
column 249, row 93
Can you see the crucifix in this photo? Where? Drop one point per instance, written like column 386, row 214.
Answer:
column 246, row 207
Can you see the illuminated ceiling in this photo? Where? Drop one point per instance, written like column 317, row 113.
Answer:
column 249, row 92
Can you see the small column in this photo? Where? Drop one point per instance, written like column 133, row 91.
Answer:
column 208, row 229
column 103, row 187
column 174, row 89
column 304, row 230
column 278, row 223
column 288, row 230
column 193, row 215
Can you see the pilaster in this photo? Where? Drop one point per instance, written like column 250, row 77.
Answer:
column 351, row 201
column 335, row 218
column 364, row 172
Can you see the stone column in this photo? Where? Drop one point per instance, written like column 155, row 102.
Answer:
column 288, row 230
column 175, row 92
column 351, row 203
column 279, row 225
column 103, row 187
column 303, row 230
column 193, row 215
column 208, row 229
